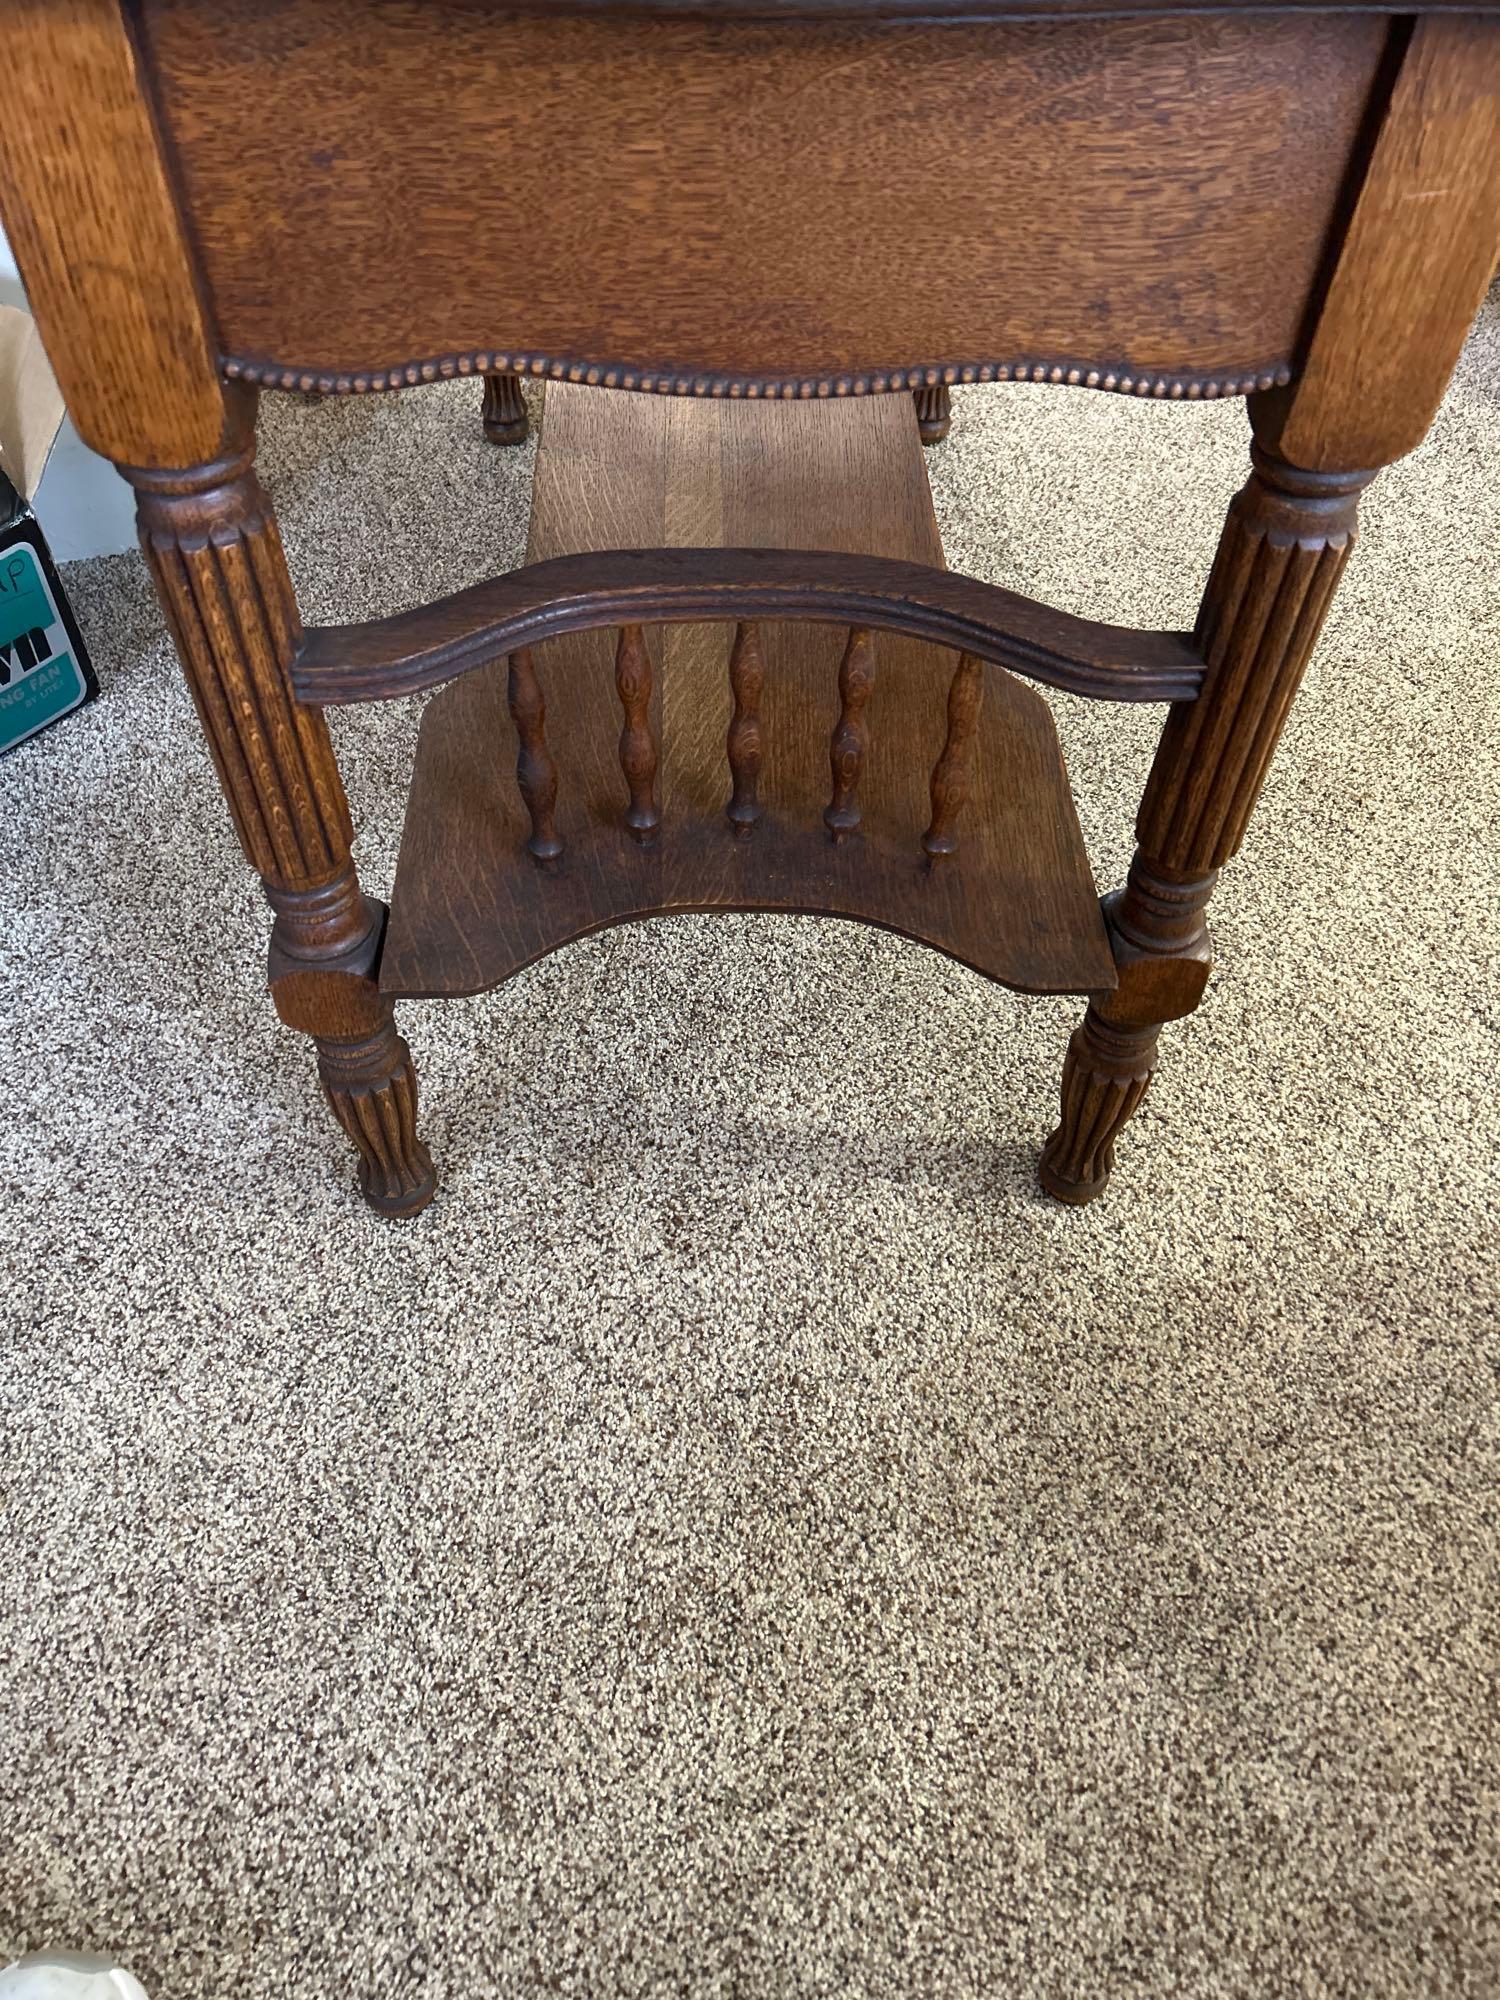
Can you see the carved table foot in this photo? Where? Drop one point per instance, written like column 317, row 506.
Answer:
column 1105, row 1077
column 504, row 413
column 1162, row 955
column 371, row 1089
column 934, row 412
column 324, row 967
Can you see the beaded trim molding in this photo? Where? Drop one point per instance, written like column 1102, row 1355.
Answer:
column 673, row 382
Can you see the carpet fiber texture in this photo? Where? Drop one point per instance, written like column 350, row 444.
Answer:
column 743, row 1540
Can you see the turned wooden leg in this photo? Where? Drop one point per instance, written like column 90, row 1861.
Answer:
column 934, row 412
column 504, row 411
column 211, row 540
column 1283, row 549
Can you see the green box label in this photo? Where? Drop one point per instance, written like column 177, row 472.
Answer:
column 39, row 678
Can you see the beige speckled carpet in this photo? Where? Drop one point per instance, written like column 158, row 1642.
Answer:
column 743, row 1540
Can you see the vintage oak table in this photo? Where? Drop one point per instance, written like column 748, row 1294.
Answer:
column 734, row 672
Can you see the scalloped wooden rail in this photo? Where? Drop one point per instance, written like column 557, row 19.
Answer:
column 419, row 649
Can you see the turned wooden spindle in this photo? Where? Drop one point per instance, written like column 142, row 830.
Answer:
column 950, row 774
column 846, row 749
column 536, row 774
column 637, row 744
column 747, row 677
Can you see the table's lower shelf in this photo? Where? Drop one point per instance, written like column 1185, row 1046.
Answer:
column 1016, row 901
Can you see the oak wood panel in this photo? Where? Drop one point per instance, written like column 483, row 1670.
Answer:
column 421, row 648
column 88, row 211
column 981, row 10
column 1127, row 200
column 1015, row 899
column 1426, row 228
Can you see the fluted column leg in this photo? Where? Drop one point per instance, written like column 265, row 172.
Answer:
column 1283, row 549
column 212, row 544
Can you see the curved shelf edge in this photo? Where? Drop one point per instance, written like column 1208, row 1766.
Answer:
column 1016, row 901
column 401, row 985
column 422, row 648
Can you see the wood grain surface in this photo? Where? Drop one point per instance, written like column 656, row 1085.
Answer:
column 1425, row 232
column 87, row 208
column 1131, row 199
column 977, row 10
column 1015, row 899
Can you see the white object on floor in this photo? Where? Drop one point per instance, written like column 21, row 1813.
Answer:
column 83, row 504
column 68, row 1975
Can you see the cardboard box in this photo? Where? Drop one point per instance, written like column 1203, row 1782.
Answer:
column 45, row 672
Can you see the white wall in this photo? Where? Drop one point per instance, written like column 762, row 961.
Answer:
column 83, row 504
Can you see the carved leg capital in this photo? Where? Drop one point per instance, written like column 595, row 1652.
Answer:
column 1160, row 939
column 324, row 963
